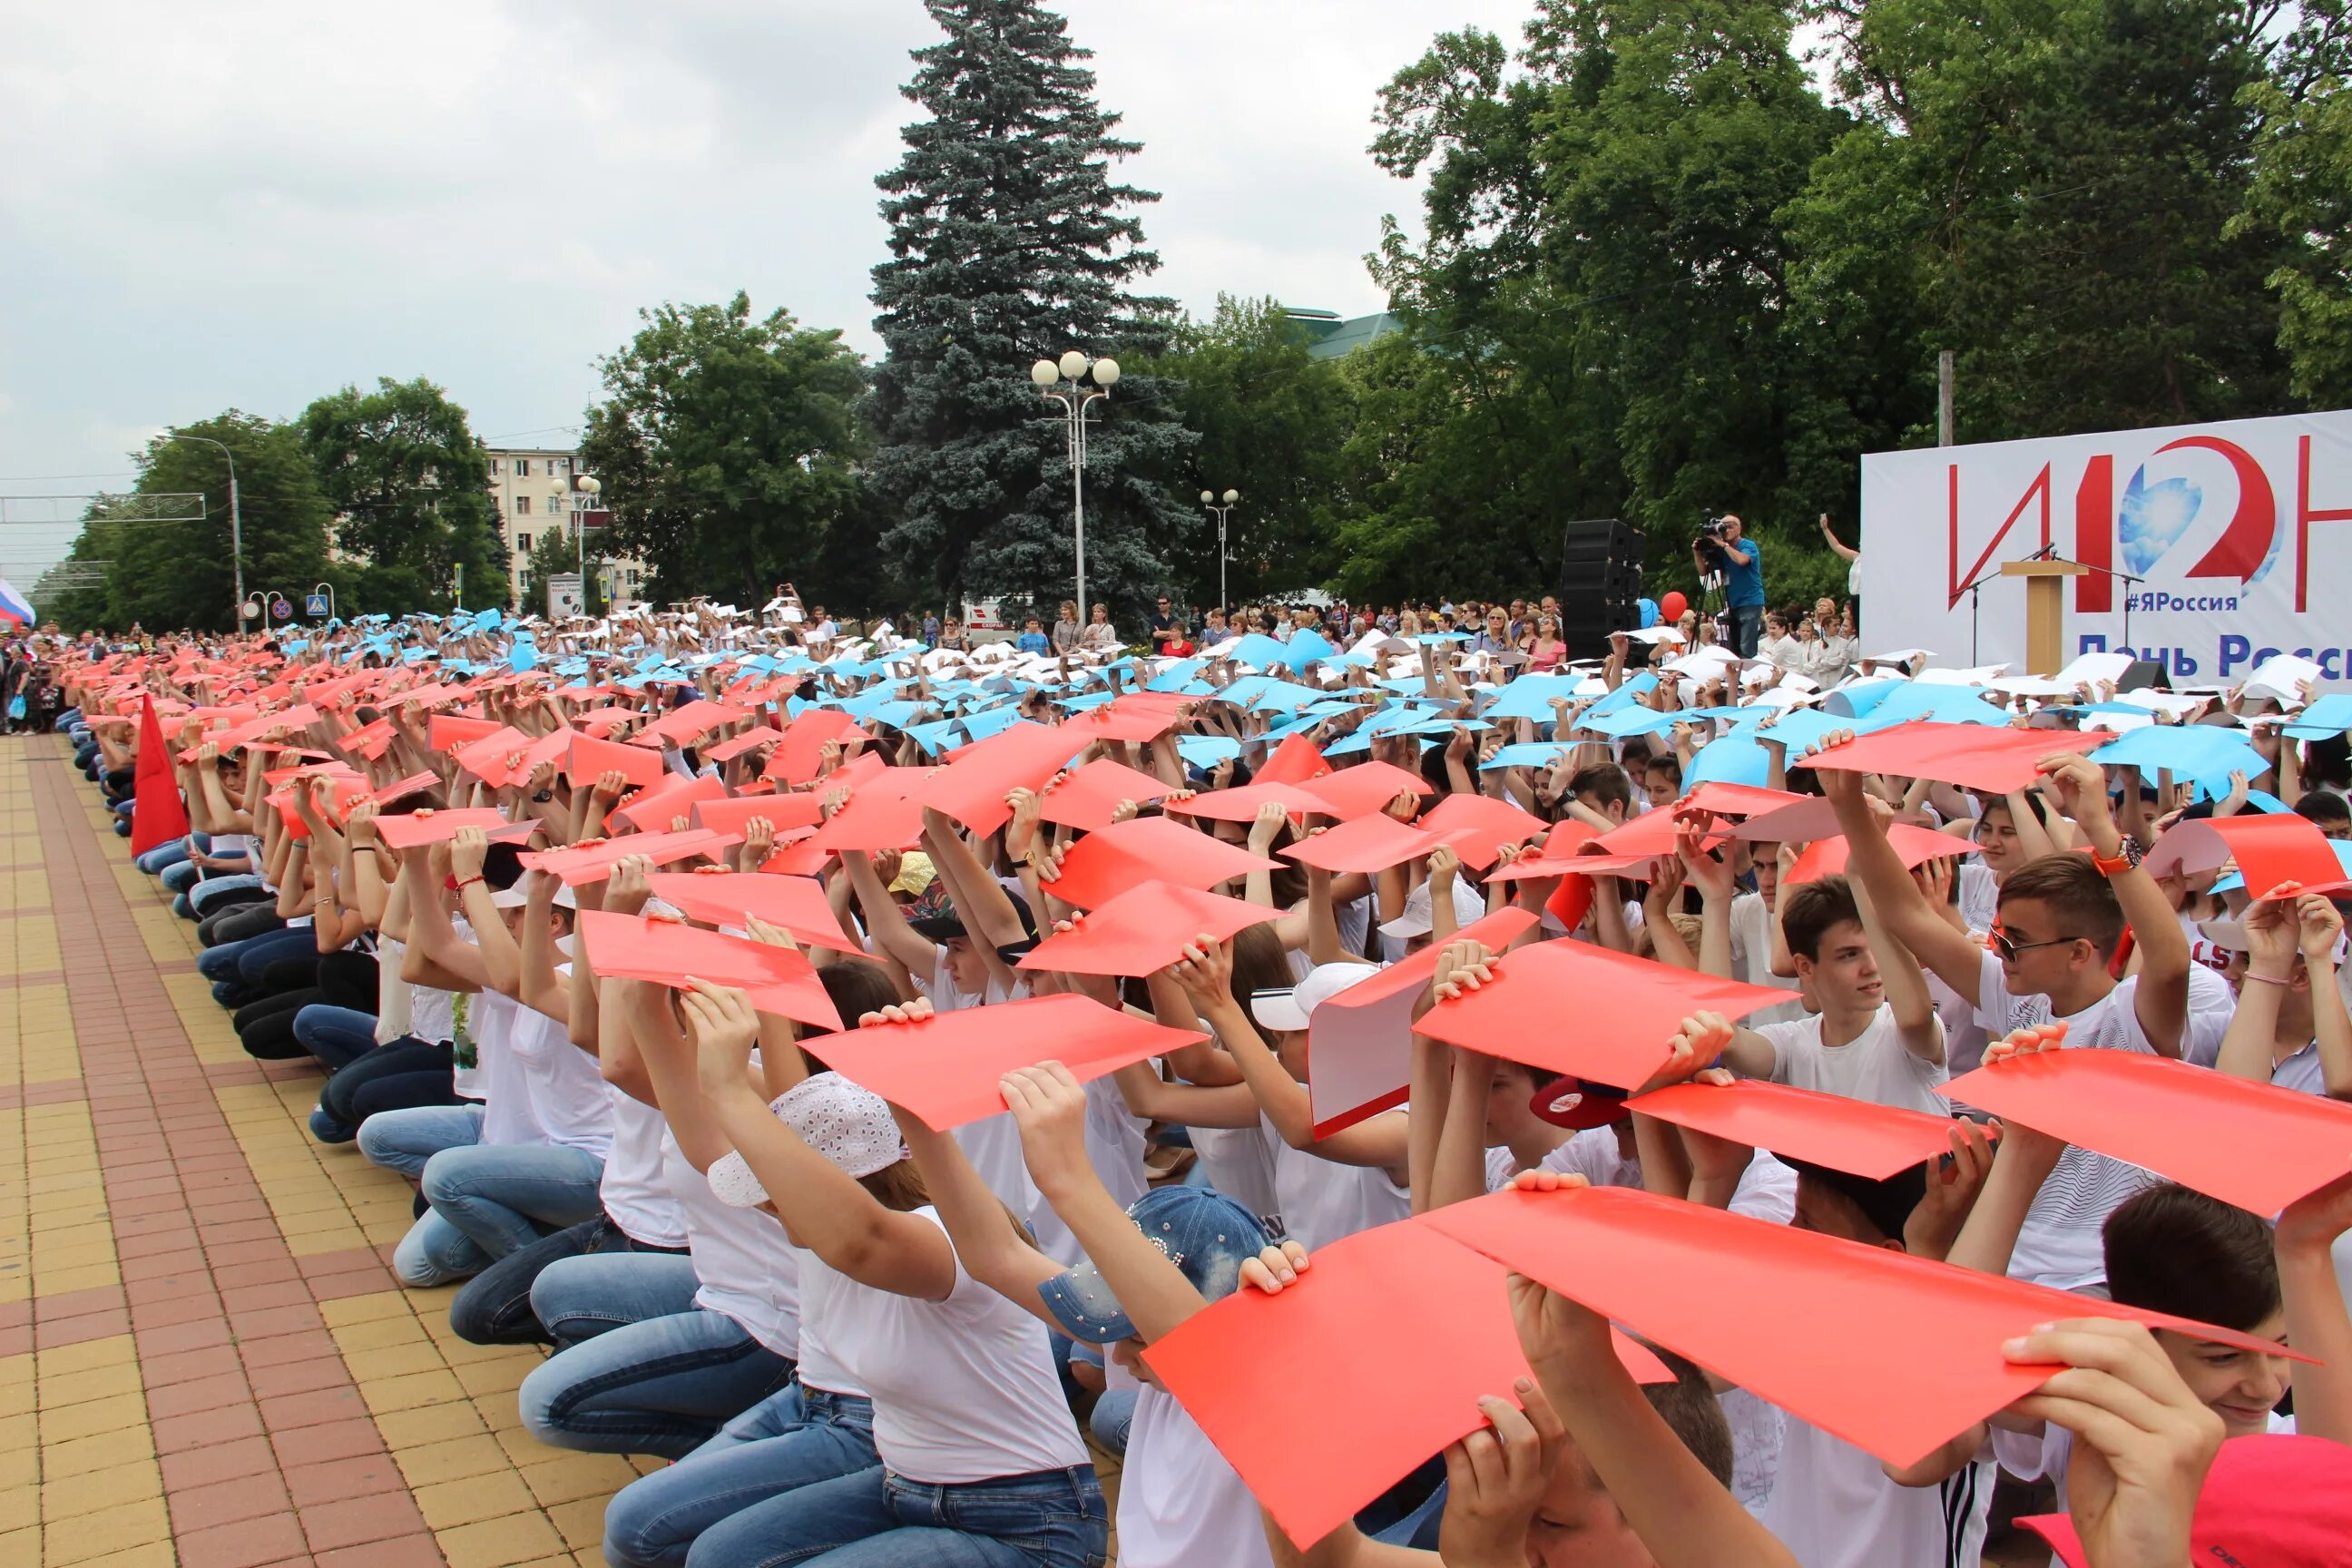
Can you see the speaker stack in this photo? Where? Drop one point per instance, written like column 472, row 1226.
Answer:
column 1599, row 584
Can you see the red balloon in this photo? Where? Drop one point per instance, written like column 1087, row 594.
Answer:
column 1671, row 605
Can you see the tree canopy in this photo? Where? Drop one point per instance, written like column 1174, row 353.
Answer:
column 410, row 487
column 726, row 446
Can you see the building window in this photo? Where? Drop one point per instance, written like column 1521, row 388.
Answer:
column 522, row 468
column 522, row 506
column 522, row 544
column 497, row 466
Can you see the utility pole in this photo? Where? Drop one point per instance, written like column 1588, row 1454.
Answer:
column 1944, row 436
column 235, row 524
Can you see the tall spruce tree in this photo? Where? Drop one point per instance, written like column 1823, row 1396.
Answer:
column 1010, row 243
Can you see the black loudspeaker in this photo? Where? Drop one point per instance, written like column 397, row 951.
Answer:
column 1599, row 584
column 2145, row 675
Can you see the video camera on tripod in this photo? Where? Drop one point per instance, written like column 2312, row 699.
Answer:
column 1712, row 535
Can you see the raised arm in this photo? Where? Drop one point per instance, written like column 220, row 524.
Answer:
column 2161, row 998
column 1878, row 870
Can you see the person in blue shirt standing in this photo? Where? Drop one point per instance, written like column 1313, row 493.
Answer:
column 1033, row 637
column 1724, row 549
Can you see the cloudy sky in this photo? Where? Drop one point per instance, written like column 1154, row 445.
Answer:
column 247, row 203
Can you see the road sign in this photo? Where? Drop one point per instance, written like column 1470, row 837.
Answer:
column 316, row 604
column 281, row 609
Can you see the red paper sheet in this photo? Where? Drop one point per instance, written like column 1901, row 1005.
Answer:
column 946, row 1068
column 2270, row 849
column 485, row 756
column 591, row 758
column 1585, row 1011
column 630, row 947
column 1722, row 799
column 371, row 739
column 436, row 826
column 1360, row 1042
column 1557, row 855
column 795, row 903
column 1241, row 805
column 1102, row 864
column 785, row 811
column 972, row 786
column 2246, row 1144
column 1399, row 1331
column 1915, row 846
column 1143, row 930
column 1857, row 1135
column 1480, row 824
column 1372, row 843
column 673, row 797
column 1828, row 1330
column 795, row 759
column 447, row 731
column 582, row 863
column 882, row 814
column 681, row 726
column 1365, row 788
column 413, row 784
column 1973, row 756
column 1086, row 798
column 1295, row 760
column 734, row 746
column 1123, row 718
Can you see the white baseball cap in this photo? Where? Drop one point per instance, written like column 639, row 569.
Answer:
column 850, row 1126
column 1286, row 1011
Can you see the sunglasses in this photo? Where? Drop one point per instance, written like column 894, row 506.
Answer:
column 2007, row 947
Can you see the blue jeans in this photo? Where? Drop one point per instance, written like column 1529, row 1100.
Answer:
column 1747, row 622
column 1113, row 1418
column 336, row 1035
column 235, row 968
column 794, row 1438
column 1055, row 1519
column 402, row 1140
column 489, row 1200
column 212, row 888
column 174, row 852
column 641, row 1370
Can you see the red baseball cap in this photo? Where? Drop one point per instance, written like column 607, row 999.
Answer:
column 1578, row 1105
column 2270, row 1501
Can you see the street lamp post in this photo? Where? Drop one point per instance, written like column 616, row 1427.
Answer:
column 588, row 486
column 236, row 521
column 1064, row 381
column 1209, row 499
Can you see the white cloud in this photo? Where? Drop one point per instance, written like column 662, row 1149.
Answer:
column 252, row 202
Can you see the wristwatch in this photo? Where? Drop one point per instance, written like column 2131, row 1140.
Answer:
column 2128, row 854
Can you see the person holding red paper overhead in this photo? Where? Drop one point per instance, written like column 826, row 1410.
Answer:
column 981, row 1461
column 2062, row 919
column 2291, row 1028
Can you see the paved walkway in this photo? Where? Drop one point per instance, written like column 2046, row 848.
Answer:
column 203, row 1361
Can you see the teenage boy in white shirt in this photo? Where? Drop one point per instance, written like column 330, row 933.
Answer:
column 1876, row 1037
column 2062, row 919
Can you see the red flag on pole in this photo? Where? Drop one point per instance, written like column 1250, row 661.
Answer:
column 162, row 815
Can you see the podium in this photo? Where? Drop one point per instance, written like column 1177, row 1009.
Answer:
column 2046, row 611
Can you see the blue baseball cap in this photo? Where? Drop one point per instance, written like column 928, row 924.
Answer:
column 1206, row 1234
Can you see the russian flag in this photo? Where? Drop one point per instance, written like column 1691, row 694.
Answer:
column 15, row 608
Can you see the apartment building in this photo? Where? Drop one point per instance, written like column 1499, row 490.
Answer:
column 533, row 489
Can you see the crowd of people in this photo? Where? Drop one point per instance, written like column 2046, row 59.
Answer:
column 902, row 1080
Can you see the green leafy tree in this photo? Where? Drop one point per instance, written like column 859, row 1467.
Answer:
column 553, row 550
column 2302, row 195
column 1008, row 243
column 180, row 574
column 1273, row 424
column 726, row 446
column 410, row 487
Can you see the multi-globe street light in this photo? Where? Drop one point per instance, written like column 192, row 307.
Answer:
column 1210, row 499
column 1076, row 384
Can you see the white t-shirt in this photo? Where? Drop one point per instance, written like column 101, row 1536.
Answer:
column 2060, row 1245
column 1240, row 1166
column 1980, row 897
column 633, row 1190
column 748, row 1270
column 489, row 1015
column 1322, row 1200
column 1180, row 1503
column 1114, row 1147
column 1751, row 960
column 1832, row 1505
column 545, row 1089
column 1594, row 1154
column 964, row 1390
column 1874, row 1065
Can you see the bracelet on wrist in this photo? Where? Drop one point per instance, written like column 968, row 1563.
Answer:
column 2269, row 979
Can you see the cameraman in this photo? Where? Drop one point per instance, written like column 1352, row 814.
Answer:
column 1720, row 550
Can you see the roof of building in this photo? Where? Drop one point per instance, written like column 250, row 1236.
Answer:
column 1329, row 336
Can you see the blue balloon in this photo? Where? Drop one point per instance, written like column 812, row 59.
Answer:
column 1649, row 608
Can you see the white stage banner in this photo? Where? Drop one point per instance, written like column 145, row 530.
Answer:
column 2241, row 533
